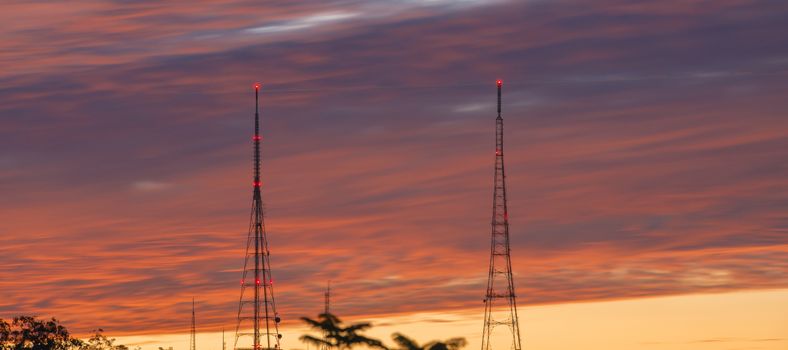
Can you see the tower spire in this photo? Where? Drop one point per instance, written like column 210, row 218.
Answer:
column 262, row 313
column 500, row 285
column 499, row 83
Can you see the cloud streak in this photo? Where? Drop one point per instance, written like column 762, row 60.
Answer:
column 307, row 22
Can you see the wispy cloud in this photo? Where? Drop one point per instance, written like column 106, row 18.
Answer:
column 148, row 186
column 306, row 22
column 473, row 107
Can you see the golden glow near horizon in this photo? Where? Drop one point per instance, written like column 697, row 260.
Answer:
column 736, row 320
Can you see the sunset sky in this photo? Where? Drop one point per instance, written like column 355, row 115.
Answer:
column 647, row 166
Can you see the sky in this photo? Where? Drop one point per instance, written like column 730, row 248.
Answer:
column 646, row 146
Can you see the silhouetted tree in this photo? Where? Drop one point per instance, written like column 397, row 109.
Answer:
column 406, row 343
column 29, row 333
column 98, row 341
column 337, row 336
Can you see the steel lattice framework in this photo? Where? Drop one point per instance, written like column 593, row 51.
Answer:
column 257, row 310
column 500, row 285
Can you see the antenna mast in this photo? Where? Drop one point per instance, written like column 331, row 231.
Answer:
column 500, row 285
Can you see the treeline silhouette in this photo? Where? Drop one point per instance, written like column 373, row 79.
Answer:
column 31, row 333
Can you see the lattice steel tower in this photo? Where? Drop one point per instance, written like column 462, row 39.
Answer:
column 257, row 317
column 500, row 286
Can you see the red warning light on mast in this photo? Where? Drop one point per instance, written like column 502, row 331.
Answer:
column 499, row 82
column 257, row 86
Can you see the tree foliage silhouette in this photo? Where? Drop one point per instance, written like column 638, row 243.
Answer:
column 98, row 341
column 30, row 333
column 336, row 335
column 406, row 343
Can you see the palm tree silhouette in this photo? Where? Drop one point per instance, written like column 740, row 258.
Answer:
column 406, row 343
column 337, row 336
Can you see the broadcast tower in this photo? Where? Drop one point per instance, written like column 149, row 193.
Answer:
column 500, row 285
column 257, row 317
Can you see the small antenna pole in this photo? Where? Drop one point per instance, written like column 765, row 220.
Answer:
column 193, row 338
column 328, row 296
